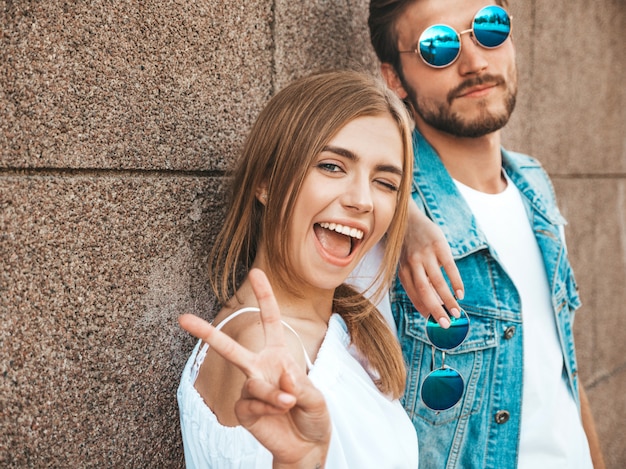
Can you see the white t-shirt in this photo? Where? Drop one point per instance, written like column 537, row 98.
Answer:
column 552, row 435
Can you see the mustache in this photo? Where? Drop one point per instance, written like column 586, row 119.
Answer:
column 495, row 80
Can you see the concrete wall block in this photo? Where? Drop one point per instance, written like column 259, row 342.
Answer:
column 135, row 85
column 518, row 133
column 611, row 415
column 95, row 271
column 579, row 102
column 320, row 35
column 596, row 239
column 597, row 250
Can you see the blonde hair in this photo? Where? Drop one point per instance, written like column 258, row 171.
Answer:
column 287, row 136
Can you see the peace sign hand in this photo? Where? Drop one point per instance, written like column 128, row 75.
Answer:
column 279, row 405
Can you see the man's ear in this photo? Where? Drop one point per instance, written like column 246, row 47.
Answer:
column 393, row 80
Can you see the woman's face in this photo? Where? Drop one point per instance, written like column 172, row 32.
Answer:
column 347, row 201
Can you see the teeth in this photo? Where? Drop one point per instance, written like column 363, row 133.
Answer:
column 346, row 230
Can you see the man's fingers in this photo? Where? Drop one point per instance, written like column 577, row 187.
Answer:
column 442, row 291
column 422, row 293
column 449, row 266
column 270, row 313
column 218, row 341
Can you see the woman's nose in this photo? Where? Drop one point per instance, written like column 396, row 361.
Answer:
column 358, row 196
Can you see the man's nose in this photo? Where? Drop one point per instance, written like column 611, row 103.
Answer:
column 472, row 58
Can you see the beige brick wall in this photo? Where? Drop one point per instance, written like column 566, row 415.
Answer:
column 117, row 120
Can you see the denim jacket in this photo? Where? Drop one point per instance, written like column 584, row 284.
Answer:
column 482, row 431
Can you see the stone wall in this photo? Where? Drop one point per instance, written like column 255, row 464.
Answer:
column 117, row 121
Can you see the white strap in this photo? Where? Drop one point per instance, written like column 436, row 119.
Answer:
column 201, row 355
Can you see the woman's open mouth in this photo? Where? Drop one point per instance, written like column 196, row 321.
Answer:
column 338, row 240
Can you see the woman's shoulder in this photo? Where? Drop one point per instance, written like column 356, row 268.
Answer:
column 208, row 443
column 243, row 324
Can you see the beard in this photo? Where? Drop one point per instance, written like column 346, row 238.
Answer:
column 441, row 117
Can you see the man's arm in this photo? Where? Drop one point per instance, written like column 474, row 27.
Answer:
column 424, row 253
column 590, row 430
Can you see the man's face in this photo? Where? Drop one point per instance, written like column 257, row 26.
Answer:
column 473, row 96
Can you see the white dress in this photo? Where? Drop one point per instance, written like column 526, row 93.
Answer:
column 369, row 430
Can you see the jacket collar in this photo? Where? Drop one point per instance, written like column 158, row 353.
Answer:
column 445, row 205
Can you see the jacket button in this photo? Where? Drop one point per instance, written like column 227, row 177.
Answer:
column 509, row 332
column 502, row 416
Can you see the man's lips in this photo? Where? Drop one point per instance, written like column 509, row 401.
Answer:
column 475, row 87
column 476, row 90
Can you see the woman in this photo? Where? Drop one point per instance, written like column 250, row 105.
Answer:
column 315, row 376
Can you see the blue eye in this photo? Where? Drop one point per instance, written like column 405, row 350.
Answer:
column 330, row 167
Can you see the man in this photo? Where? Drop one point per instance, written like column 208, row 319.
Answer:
column 522, row 404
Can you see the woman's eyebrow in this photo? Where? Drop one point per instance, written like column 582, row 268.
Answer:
column 389, row 168
column 341, row 151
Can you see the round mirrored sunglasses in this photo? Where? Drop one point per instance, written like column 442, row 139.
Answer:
column 443, row 387
column 440, row 45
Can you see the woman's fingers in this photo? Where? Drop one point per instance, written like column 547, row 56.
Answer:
column 249, row 411
column 270, row 313
column 218, row 341
column 260, row 399
column 228, row 348
column 260, row 389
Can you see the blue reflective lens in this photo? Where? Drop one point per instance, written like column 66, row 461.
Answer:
column 448, row 339
column 439, row 45
column 442, row 389
column 492, row 26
